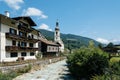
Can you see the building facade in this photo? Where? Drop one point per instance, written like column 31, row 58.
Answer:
column 57, row 38
column 48, row 48
column 17, row 38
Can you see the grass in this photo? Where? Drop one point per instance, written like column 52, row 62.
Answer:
column 115, row 59
column 15, row 73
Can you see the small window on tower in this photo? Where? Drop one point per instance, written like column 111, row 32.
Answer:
column 56, row 33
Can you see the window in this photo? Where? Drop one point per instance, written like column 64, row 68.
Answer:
column 14, row 43
column 23, row 44
column 13, row 54
column 21, row 24
column 32, row 53
column 18, row 43
column 53, row 48
column 22, row 34
column 31, row 44
column 13, row 31
column 56, row 33
column 23, row 54
column 56, row 48
column 49, row 48
column 32, row 36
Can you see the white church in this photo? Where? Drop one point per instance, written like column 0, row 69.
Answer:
column 57, row 38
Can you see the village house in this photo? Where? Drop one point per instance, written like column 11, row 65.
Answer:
column 18, row 40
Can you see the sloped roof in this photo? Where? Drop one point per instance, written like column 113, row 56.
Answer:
column 48, row 42
column 31, row 22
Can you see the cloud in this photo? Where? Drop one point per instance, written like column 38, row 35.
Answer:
column 44, row 26
column 104, row 41
column 34, row 12
column 15, row 4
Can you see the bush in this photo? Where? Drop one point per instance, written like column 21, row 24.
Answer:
column 111, row 73
column 24, row 70
column 12, row 74
column 39, row 55
column 8, row 76
column 115, row 67
column 87, row 62
column 106, row 77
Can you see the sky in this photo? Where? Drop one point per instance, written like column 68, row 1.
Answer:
column 96, row 19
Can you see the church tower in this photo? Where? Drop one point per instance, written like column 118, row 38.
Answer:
column 57, row 38
column 57, row 32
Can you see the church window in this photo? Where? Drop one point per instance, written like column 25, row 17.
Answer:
column 56, row 33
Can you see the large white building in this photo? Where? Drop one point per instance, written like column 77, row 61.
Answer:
column 57, row 38
column 18, row 40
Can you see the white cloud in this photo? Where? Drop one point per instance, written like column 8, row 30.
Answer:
column 34, row 12
column 104, row 41
column 15, row 4
column 44, row 26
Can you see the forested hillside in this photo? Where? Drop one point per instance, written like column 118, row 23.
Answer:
column 70, row 40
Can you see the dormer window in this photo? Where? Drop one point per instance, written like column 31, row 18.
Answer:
column 21, row 24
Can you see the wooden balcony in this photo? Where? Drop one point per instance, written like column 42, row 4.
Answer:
column 13, row 36
column 24, row 28
column 16, row 48
column 20, row 38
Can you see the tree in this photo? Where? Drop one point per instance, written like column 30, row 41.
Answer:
column 87, row 62
column 91, row 44
column 110, row 45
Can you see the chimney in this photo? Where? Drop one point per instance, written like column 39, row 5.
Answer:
column 7, row 14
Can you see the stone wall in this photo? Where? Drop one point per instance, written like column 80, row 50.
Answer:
column 6, row 69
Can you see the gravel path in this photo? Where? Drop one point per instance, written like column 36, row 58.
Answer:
column 54, row 71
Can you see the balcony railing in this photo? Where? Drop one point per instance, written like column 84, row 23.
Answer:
column 24, row 28
column 16, row 48
column 20, row 38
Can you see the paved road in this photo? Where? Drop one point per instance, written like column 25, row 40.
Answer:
column 54, row 71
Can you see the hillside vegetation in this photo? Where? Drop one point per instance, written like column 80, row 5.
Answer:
column 71, row 41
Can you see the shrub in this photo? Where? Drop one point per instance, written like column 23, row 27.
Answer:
column 87, row 62
column 8, row 76
column 39, row 55
column 24, row 70
column 106, row 77
column 111, row 73
column 115, row 67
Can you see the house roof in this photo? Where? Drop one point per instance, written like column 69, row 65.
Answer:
column 30, row 21
column 48, row 42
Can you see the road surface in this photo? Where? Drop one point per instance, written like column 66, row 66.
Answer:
column 54, row 71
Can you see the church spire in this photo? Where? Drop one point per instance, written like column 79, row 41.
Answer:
column 57, row 25
column 57, row 38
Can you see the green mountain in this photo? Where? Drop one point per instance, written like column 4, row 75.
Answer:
column 70, row 40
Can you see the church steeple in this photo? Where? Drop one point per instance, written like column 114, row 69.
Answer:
column 57, row 38
column 57, row 25
column 57, row 32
